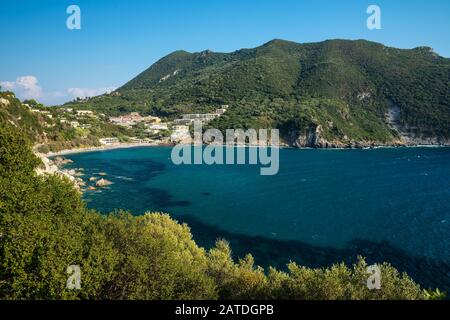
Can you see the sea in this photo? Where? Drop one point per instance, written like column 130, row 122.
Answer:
column 323, row 207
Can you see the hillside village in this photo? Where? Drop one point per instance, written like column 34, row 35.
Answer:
column 155, row 130
column 59, row 127
column 147, row 129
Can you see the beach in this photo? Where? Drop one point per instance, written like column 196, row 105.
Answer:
column 101, row 148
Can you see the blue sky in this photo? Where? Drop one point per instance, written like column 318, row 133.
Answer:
column 118, row 39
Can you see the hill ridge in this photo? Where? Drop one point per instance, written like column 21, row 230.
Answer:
column 344, row 87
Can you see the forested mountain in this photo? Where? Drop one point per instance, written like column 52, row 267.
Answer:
column 336, row 92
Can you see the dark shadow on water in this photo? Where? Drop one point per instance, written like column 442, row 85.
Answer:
column 267, row 251
column 277, row 253
column 160, row 197
column 136, row 173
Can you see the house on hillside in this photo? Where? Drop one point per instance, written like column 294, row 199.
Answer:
column 180, row 134
column 156, row 128
column 182, row 122
column 85, row 113
column 107, row 141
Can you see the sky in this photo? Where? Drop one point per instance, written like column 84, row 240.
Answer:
column 41, row 58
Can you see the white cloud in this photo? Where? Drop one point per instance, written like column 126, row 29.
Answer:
column 26, row 87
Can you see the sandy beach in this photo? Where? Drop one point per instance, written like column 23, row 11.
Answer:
column 103, row 148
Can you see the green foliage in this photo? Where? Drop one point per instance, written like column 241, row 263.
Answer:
column 434, row 294
column 49, row 134
column 285, row 84
column 156, row 258
column 339, row 282
column 45, row 227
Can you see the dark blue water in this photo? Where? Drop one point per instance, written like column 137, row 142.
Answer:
column 324, row 206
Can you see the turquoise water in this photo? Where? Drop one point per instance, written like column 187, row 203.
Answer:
column 323, row 206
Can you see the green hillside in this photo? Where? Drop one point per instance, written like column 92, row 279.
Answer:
column 335, row 92
column 45, row 127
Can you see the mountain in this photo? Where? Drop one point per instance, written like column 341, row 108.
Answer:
column 332, row 93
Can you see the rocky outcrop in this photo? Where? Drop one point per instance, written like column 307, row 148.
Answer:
column 312, row 138
column 61, row 161
column 103, row 183
column 407, row 134
column 411, row 140
column 4, row 102
column 53, row 167
column 308, row 139
column 47, row 167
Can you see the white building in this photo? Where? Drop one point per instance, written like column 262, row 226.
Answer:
column 180, row 134
column 183, row 122
column 221, row 111
column 87, row 113
column 200, row 116
column 158, row 127
column 139, row 140
column 106, row 141
column 180, row 129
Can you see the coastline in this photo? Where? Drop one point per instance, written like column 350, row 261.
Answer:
column 137, row 145
column 54, row 162
column 102, row 148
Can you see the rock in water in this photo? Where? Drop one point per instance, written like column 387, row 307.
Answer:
column 103, row 183
column 61, row 161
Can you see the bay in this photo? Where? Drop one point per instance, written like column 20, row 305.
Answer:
column 323, row 207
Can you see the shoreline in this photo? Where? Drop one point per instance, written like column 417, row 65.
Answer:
column 102, row 148
column 137, row 145
column 53, row 165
